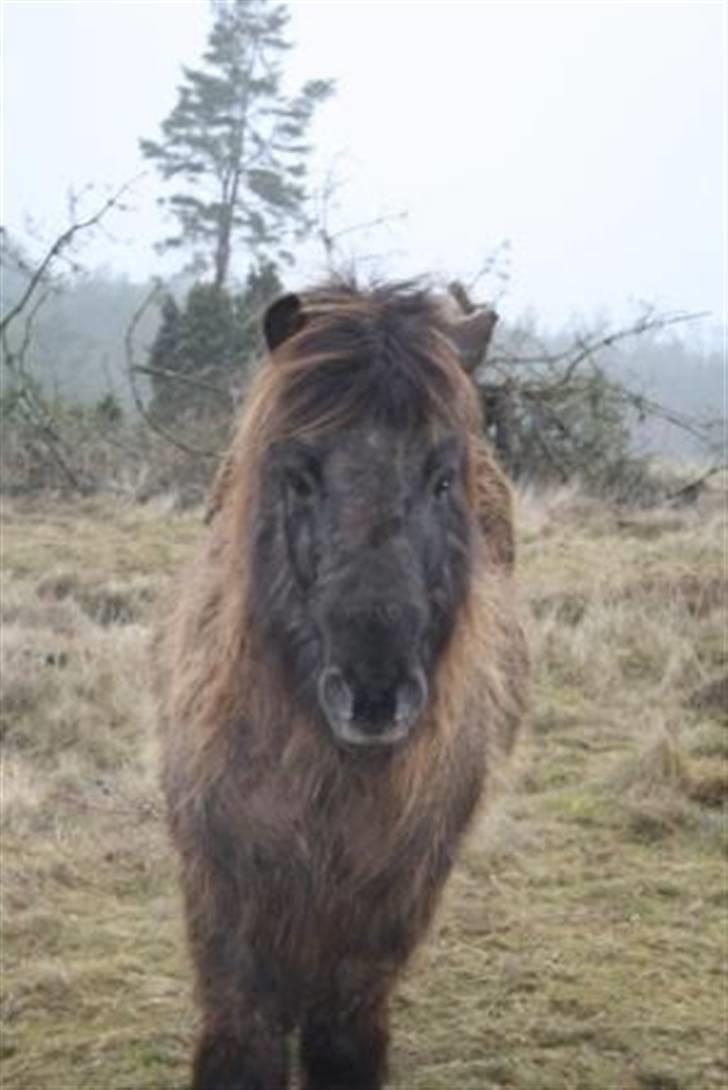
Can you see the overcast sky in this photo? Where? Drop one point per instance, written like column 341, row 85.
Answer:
column 591, row 137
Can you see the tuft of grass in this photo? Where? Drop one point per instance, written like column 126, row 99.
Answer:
column 660, row 764
column 104, row 601
column 712, row 697
column 709, row 782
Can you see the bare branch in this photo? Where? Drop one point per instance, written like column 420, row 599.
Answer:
column 58, row 247
column 34, row 412
column 692, row 489
column 584, row 348
column 330, row 238
column 175, row 376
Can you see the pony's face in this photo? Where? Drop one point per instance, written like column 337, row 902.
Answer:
column 364, row 529
column 373, row 530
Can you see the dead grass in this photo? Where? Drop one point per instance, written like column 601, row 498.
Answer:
column 579, row 947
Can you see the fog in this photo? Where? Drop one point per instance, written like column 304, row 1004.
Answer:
column 588, row 137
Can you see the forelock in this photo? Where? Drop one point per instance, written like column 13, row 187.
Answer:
column 380, row 354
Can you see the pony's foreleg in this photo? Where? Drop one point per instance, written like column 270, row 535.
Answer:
column 242, row 1041
column 344, row 1042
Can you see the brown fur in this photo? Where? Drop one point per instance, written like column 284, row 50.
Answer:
column 309, row 876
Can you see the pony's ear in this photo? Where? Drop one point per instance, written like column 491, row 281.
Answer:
column 471, row 335
column 468, row 326
column 282, row 319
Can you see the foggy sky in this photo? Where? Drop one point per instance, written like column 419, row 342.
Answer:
column 589, row 136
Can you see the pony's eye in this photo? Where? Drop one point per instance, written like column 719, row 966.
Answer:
column 300, row 483
column 443, row 483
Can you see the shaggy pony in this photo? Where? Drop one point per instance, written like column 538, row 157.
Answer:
column 340, row 676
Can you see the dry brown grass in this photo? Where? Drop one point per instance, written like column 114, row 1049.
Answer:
column 579, row 947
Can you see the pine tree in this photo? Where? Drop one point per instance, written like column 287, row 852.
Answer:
column 208, row 344
column 237, row 143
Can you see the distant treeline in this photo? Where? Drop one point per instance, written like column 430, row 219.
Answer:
column 78, row 355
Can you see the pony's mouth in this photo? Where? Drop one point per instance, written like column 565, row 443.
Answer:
column 371, row 717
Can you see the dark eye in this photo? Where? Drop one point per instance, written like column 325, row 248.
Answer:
column 300, row 483
column 443, row 483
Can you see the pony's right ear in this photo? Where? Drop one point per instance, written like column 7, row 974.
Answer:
column 283, row 318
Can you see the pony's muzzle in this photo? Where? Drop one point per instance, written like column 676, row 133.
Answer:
column 371, row 715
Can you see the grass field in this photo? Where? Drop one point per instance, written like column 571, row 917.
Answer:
column 583, row 936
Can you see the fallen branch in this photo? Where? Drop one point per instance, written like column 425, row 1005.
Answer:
column 692, row 489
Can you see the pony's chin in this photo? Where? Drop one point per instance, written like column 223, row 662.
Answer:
column 363, row 738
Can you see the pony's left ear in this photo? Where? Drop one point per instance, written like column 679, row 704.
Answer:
column 472, row 335
column 283, row 318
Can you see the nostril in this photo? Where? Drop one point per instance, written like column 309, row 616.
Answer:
column 377, row 707
column 374, row 706
column 334, row 694
column 411, row 698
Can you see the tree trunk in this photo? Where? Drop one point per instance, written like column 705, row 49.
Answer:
column 222, row 250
